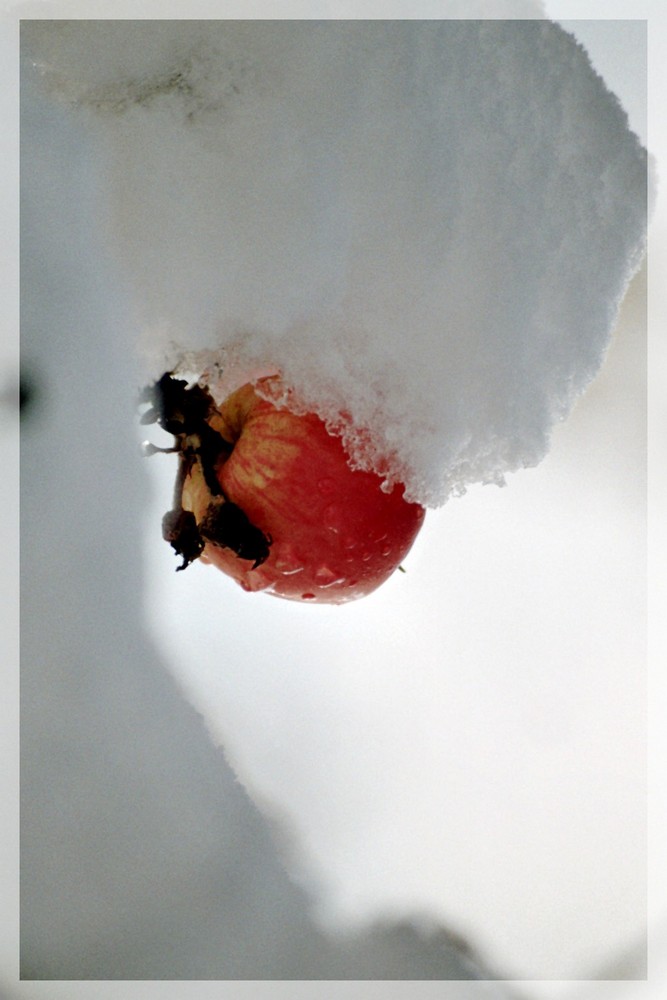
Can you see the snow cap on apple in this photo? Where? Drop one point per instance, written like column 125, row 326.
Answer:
column 425, row 226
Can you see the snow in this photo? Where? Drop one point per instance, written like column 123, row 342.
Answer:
column 427, row 227
column 473, row 731
column 143, row 856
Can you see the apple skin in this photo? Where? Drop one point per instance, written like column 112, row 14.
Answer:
column 335, row 535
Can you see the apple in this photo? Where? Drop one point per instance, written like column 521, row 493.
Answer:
column 268, row 496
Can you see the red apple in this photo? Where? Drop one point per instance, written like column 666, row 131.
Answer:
column 322, row 532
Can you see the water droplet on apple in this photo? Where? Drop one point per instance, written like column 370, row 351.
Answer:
column 349, row 543
column 332, row 517
column 386, row 550
column 308, row 597
column 366, row 555
column 326, row 577
column 286, row 560
column 326, row 486
column 255, row 581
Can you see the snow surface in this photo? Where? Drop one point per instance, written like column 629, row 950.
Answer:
column 427, row 227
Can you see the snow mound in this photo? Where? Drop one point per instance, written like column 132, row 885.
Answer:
column 426, row 226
